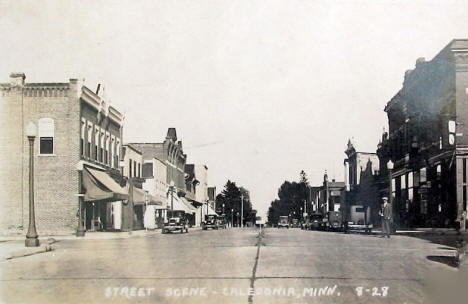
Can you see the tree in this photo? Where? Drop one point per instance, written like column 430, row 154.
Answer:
column 231, row 197
column 303, row 178
column 292, row 196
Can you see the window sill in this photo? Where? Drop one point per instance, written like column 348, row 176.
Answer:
column 47, row 155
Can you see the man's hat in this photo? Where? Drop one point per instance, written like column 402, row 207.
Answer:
column 385, row 198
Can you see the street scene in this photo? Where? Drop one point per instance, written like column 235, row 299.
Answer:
column 234, row 151
column 236, row 265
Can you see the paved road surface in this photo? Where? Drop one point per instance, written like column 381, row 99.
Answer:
column 282, row 266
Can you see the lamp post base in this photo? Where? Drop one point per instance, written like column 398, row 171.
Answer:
column 80, row 232
column 32, row 242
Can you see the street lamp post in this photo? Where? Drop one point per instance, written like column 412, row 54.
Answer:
column 390, row 168
column 232, row 217
column 223, row 208
column 390, row 192
column 171, row 189
column 32, row 239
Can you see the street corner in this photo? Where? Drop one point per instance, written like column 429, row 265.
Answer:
column 13, row 251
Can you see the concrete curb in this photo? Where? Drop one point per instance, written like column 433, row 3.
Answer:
column 29, row 251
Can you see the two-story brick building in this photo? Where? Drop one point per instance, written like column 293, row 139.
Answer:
column 76, row 155
column 428, row 140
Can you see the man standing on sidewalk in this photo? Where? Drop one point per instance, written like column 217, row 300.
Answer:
column 386, row 214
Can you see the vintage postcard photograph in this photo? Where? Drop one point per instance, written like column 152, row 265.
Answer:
column 234, row 151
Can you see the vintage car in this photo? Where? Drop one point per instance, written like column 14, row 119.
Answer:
column 295, row 223
column 222, row 221
column 359, row 219
column 315, row 221
column 211, row 221
column 283, row 222
column 333, row 220
column 177, row 222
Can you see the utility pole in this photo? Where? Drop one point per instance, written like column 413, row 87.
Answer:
column 242, row 211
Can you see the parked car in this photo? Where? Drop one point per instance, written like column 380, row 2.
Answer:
column 259, row 222
column 359, row 219
column 222, row 221
column 211, row 221
column 333, row 220
column 176, row 222
column 315, row 221
column 295, row 223
column 283, row 222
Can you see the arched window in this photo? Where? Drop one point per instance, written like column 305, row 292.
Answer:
column 46, row 136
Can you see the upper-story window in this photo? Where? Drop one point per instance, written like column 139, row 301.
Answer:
column 101, row 149
column 106, row 153
column 97, row 132
column 112, row 151
column 46, row 135
column 117, row 153
column 90, row 139
column 82, row 140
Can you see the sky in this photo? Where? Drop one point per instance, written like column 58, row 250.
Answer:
column 258, row 90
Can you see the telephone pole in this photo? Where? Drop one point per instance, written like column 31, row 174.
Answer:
column 242, row 211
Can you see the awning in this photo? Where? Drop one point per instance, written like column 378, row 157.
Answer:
column 192, row 209
column 211, row 211
column 98, row 185
column 139, row 196
column 177, row 204
column 153, row 201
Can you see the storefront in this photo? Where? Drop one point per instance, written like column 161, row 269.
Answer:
column 101, row 192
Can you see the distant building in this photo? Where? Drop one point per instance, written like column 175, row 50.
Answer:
column 76, row 154
column 155, row 174
column 428, row 141
column 170, row 152
column 330, row 195
column 361, row 181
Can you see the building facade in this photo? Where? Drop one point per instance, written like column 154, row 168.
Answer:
column 361, row 178
column 170, row 152
column 330, row 195
column 77, row 131
column 428, row 141
column 155, row 174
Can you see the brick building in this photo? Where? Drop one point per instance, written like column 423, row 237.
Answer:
column 170, row 152
column 428, row 141
column 77, row 132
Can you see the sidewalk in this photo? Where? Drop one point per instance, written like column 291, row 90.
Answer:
column 16, row 249
column 426, row 231
column 94, row 235
column 91, row 235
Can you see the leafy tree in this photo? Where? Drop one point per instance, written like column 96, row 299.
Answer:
column 231, row 197
column 291, row 198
